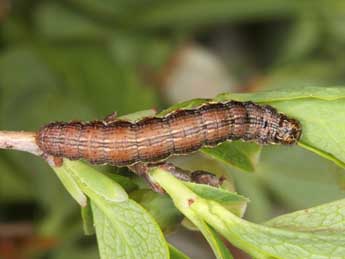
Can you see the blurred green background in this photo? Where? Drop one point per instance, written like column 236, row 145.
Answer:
column 75, row 59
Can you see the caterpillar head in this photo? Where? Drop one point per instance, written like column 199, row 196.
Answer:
column 289, row 131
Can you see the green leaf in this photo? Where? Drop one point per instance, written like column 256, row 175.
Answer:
column 318, row 109
column 263, row 241
column 94, row 183
column 138, row 115
column 86, row 215
column 184, row 105
column 126, row 230
column 123, row 228
column 288, row 94
column 176, row 254
column 308, row 174
column 216, row 194
column 241, row 155
column 236, row 203
column 266, row 242
column 127, row 183
column 71, row 185
column 328, row 217
column 165, row 180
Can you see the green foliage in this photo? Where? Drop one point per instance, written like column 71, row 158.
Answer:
column 317, row 239
column 83, row 59
column 123, row 228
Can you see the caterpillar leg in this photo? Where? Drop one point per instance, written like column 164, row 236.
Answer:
column 199, row 176
column 110, row 117
column 53, row 161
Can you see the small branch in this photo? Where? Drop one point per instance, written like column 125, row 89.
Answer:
column 19, row 140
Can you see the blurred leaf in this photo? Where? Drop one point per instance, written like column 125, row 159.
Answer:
column 14, row 31
column 260, row 207
column 333, row 12
column 13, row 186
column 91, row 74
column 318, row 109
column 314, row 72
column 269, row 189
column 26, row 81
column 308, row 174
column 241, row 155
column 160, row 207
column 193, row 13
column 108, row 10
column 301, row 39
column 147, row 51
column 257, row 240
column 57, row 22
column 76, row 252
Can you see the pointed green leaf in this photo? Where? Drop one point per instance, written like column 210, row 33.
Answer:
column 176, row 254
column 234, row 202
column 241, row 155
column 94, row 183
column 214, row 193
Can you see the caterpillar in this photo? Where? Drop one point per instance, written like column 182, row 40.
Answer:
column 124, row 143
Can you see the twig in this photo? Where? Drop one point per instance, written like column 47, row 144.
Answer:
column 20, row 140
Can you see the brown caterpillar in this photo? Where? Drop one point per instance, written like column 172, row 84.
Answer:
column 123, row 143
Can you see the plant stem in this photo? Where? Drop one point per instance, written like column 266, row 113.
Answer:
column 19, row 140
